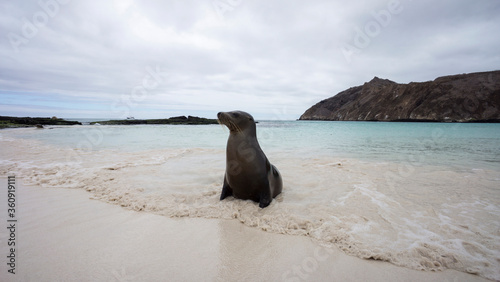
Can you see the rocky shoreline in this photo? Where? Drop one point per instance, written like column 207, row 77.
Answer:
column 39, row 122
column 191, row 120
column 473, row 97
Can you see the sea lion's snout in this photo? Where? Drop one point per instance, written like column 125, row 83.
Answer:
column 224, row 119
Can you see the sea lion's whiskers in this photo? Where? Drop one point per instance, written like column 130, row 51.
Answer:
column 229, row 123
column 236, row 127
column 220, row 122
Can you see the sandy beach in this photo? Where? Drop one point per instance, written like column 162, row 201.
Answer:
column 62, row 235
column 140, row 139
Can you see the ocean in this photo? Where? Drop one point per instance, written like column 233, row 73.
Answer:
column 419, row 195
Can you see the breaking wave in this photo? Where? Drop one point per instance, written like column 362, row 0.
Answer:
column 426, row 218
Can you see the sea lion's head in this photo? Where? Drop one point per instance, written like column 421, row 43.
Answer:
column 237, row 121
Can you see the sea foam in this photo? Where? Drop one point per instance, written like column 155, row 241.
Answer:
column 433, row 218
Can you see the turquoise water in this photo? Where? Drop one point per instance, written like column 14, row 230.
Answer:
column 457, row 145
column 419, row 195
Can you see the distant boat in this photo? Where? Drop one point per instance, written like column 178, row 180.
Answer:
column 130, row 118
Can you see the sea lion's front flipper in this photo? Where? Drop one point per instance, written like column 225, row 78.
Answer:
column 265, row 197
column 226, row 190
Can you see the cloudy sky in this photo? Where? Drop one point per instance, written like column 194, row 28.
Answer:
column 274, row 59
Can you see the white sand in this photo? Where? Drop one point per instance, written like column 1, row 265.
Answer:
column 420, row 217
column 62, row 235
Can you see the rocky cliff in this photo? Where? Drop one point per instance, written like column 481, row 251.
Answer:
column 473, row 97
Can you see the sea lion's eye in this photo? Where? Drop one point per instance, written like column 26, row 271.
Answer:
column 236, row 115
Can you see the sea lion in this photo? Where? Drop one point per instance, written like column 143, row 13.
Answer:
column 249, row 174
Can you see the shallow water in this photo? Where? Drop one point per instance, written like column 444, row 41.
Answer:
column 423, row 196
column 457, row 145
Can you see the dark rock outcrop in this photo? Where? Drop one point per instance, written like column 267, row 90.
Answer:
column 473, row 97
column 8, row 122
column 172, row 120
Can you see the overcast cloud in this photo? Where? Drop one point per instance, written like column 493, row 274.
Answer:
column 274, row 59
